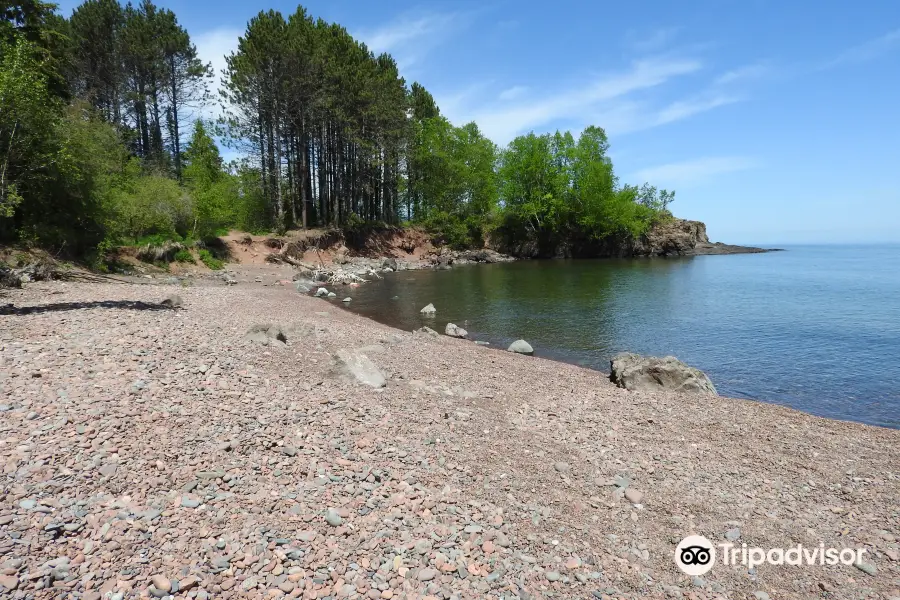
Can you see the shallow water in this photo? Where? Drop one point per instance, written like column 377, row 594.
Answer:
column 816, row 327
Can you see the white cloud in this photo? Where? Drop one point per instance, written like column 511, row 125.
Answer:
column 408, row 39
column 687, row 108
column 742, row 74
column 512, row 93
column 692, row 172
column 503, row 122
column 212, row 47
column 867, row 51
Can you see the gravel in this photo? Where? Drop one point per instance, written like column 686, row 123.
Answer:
column 443, row 483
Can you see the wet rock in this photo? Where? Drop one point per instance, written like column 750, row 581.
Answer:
column 636, row 372
column 321, row 292
column 455, row 331
column 429, row 310
column 521, row 347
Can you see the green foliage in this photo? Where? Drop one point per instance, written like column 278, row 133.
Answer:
column 184, row 256
column 207, row 258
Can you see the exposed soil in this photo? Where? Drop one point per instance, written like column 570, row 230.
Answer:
column 152, row 452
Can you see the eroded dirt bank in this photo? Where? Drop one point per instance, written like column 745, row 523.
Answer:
column 155, row 452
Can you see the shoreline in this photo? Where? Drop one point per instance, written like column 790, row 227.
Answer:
column 515, row 483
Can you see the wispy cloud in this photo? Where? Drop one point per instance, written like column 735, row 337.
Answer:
column 410, row 37
column 683, row 109
column 866, row 51
column 212, row 47
column 503, row 122
column 512, row 93
column 743, row 74
column 652, row 42
column 693, row 172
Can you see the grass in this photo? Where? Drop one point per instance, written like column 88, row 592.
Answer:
column 211, row 261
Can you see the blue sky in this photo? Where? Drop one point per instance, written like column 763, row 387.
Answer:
column 775, row 122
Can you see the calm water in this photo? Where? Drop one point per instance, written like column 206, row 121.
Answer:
column 816, row 327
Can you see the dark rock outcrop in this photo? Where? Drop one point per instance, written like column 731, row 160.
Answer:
column 636, row 372
column 672, row 237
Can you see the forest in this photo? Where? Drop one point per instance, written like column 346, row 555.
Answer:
column 107, row 138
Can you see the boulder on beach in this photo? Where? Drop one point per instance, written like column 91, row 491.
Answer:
column 428, row 310
column 265, row 334
column 359, row 367
column 389, row 263
column 521, row 347
column 427, row 331
column 635, row 372
column 173, row 301
column 321, row 292
column 455, row 331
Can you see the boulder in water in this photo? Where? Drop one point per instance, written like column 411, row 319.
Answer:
column 429, row 310
column 321, row 292
column 636, row 372
column 455, row 331
column 521, row 347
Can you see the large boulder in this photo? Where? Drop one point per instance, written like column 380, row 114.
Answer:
column 521, row 347
column 389, row 263
column 455, row 331
column 360, row 368
column 8, row 279
column 266, row 334
column 636, row 372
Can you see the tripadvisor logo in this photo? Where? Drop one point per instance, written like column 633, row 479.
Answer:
column 696, row 555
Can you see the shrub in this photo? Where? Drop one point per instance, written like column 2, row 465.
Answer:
column 184, row 256
column 211, row 261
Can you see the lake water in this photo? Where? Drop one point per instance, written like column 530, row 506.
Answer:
column 815, row 327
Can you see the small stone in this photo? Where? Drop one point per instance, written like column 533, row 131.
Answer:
column 427, row 574
column 28, row 504
column 732, row 534
column 321, row 292
column 552, row 575
column 867, row 568
column 633, row 496
column 761, row 595
column 698, row 582
column 173, row 301
column 333, row 518
column 190, row 502
column 161, row 582
column 289, row 451
column 455, row 331
column 108, row 470
column 562, row 467
column 347, row 299
column 10, row 582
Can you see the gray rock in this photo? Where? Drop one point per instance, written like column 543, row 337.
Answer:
column 429, row 310
column 289, row 451
column 562, row 467
column 109, row 469
column 761, row 595
column 173, row 301
column 332, row 295
column 733, row 534
column 427, row 331
column 481, row 343
column 28, row 504
column 302, row 287
column 360, row 367
column 347, row 299
column 321, row 292
column 332, row 518
column 389, row 263
column 265, row 333
column 636, row 372
column 552, row 575
column 427, row 574
column 867, row 568
column 455, row 331
column 188, row 502
column 521, row 347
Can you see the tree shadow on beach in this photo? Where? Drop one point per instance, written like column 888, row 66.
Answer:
column 10, row 309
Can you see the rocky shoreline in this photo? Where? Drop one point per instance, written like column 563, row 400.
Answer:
column 218, row 446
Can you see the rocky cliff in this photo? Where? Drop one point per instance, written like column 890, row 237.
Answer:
column 675, row 237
